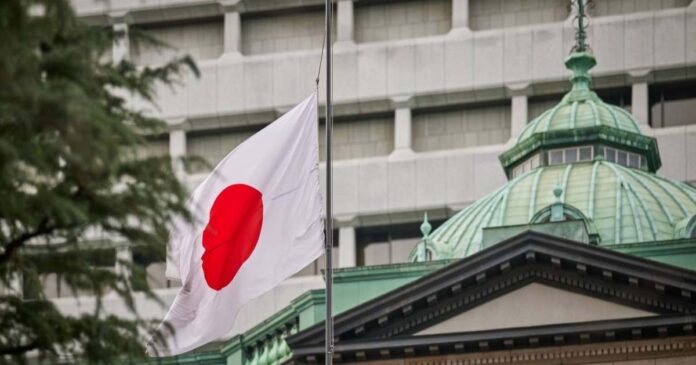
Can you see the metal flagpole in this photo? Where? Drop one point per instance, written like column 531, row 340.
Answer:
column 329, row 186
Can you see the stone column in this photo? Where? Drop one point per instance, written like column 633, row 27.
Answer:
column 460, row 14
column 344, row 21
column 121, row 47
column 402, row 127
column 519, row 112
column 233, row 33
column 346, row 247
column 640, row 101
column 177, row 149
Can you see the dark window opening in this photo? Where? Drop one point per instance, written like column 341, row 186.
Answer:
column 673, row 104
column 392, row 244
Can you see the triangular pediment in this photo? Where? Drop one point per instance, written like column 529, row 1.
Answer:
column 528, row 281
column 534, row 305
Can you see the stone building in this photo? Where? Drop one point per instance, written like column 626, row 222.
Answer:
column 428, row 95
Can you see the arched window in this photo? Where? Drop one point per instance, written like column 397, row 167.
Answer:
column 568, row 213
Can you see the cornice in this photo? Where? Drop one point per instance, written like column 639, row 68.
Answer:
column 528, row 257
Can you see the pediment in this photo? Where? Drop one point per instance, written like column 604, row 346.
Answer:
column 534, row 305
column 531, row 280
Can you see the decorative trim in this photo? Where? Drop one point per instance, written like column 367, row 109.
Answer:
column 621, row 351
column 555, row 261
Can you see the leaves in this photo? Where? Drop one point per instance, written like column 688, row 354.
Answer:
column 69, row 167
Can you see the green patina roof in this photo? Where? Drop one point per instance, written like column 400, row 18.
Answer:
column 623, row 205
column 581, row 111
column 581, row 117
column 617, row 205
column 581, row 107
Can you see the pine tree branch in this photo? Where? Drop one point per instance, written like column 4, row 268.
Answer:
column 9, row 249
column 18, row 350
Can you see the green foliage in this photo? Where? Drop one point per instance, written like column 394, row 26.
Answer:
column 69, row 167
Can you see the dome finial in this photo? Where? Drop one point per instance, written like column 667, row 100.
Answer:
column 425, row 226
column 557, row 192
column 422, row 251
column 581, row 34
column 557, row 209
column 580, row 60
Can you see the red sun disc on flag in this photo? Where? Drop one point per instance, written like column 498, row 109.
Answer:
column 232, row 232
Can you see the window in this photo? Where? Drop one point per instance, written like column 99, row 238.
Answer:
column 387, row 244
column 54, row 285
column 624, row 158
column 673, row 104
column 528, row 165
column 556, row 157
column 570, row 155
column 633, row 161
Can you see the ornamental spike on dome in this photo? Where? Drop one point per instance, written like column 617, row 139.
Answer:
column 425, row 226
column 581, row 34
column 581, row 60
column 420, row 253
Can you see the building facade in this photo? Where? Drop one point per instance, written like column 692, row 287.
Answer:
column 428, row 94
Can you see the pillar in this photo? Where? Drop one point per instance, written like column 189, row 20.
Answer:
column 460, row 14
column 344, row 21
column 121, row 47
column 233, row 32
column 346, row 247
column 519, row 110
column 640, row 100
column 177, row 149
column 402, row 127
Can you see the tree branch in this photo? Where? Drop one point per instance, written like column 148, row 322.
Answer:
column 18, row 350
column 9, row 249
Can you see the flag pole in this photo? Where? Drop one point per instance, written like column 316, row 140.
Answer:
column 329, row 186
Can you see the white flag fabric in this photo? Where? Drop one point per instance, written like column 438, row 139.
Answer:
column 257, row 220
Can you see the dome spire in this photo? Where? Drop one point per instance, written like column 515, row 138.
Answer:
column 422, row 248
column 581, row 60
column 580, row 34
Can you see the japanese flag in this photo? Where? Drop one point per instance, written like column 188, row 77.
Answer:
column 257, row 220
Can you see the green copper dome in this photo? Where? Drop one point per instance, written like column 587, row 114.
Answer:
column 581, row 110
column 621, row 204
column 581, row 118
column 583, row 164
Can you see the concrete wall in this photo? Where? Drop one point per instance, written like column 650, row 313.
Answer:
column 154, row 148
column 445, row 69
column 615, row 7
column 375, row 22
column 473, row 127
column 495, row 14
column 201, row 40
column 282, row 32
column 212, row 147
column 367, row 137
